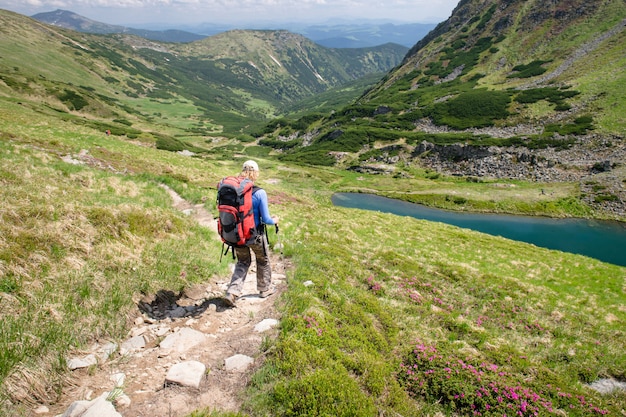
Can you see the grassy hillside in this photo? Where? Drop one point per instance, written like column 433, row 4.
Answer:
column 526, row 63
column 405, row 317
column 534, row 45
column 227, row 84
column 541, row 81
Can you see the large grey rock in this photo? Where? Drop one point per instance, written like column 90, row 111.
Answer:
column 608, row 386
column 238, row 362
column 187, row 374
column 86, row 362
column 105, row 352
column 132, row 345
column 183, row 340
column 99, row 407
column 265, row 325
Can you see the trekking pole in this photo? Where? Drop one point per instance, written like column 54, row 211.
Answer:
column 278, row 245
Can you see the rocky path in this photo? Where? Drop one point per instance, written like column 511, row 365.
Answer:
column 185, row 351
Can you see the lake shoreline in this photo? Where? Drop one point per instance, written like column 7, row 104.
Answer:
column 596, row 238
column 594, row 215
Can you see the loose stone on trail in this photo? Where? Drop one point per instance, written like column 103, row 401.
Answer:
column 187, row 374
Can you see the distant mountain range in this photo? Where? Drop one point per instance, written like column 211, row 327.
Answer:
column 348, row 35
column 361, row 35
column 229, row 82
column 73, row 21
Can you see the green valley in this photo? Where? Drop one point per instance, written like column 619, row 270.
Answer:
column 508, row 106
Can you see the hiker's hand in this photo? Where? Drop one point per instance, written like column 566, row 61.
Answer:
column 275, row 218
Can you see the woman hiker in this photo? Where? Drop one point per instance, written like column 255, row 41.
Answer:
column 259, row 246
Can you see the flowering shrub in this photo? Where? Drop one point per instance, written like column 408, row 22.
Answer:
column 482, row 389
column 311, row 323
column 374, row 286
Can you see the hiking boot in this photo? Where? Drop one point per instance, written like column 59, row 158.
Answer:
column 230, row 299
column 271, row 290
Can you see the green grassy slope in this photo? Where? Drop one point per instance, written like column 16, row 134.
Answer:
column 491, row 65
column 576, row 41
column 80, row 243
column 536, row 79
column 226, row 83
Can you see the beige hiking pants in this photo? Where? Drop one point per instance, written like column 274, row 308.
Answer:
column 244, row 260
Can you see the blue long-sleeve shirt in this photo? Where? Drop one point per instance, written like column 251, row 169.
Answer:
column 261, row 209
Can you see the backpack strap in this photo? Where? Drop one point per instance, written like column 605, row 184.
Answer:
column 262, row 229
column 225, row 252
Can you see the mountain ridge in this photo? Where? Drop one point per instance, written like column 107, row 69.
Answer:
column 490, row 93
column 115, row 75
column 70, row 20
column 332, row 35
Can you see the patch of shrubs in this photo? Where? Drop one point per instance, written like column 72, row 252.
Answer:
column 436, row 68
column 171, row 144
column 288, row 125
column 72, row 99
column 529, row 70
column 438, row 138
column 354, row 138
column 245, row 138
column 280, row 144
column 358, row 110
column 14, row 84
column 467, row 386
column 457, row 57
column 580, row 126
column 123, row 122
column 549, row 142
column 457, row 200
column 551, row 94
column 168, row 143
column 310, row 157
column 486, row 17
column 476, row 108
column 601, row 198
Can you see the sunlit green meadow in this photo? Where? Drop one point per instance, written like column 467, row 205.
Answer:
column 80, row 244
column 382, row 285
column 177, row 113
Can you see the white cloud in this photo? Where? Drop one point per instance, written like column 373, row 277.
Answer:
column 234, row 11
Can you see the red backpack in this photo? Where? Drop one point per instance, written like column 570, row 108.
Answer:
column 235, row 223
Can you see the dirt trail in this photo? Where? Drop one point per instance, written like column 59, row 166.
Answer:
column 229, row 332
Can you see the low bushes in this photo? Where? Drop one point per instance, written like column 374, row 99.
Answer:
column 476, row 108
column 479, row 387
column 528, row 70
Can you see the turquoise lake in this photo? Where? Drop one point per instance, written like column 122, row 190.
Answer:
column 603, row 240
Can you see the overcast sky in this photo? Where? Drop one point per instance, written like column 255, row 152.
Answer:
column 128, row 12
